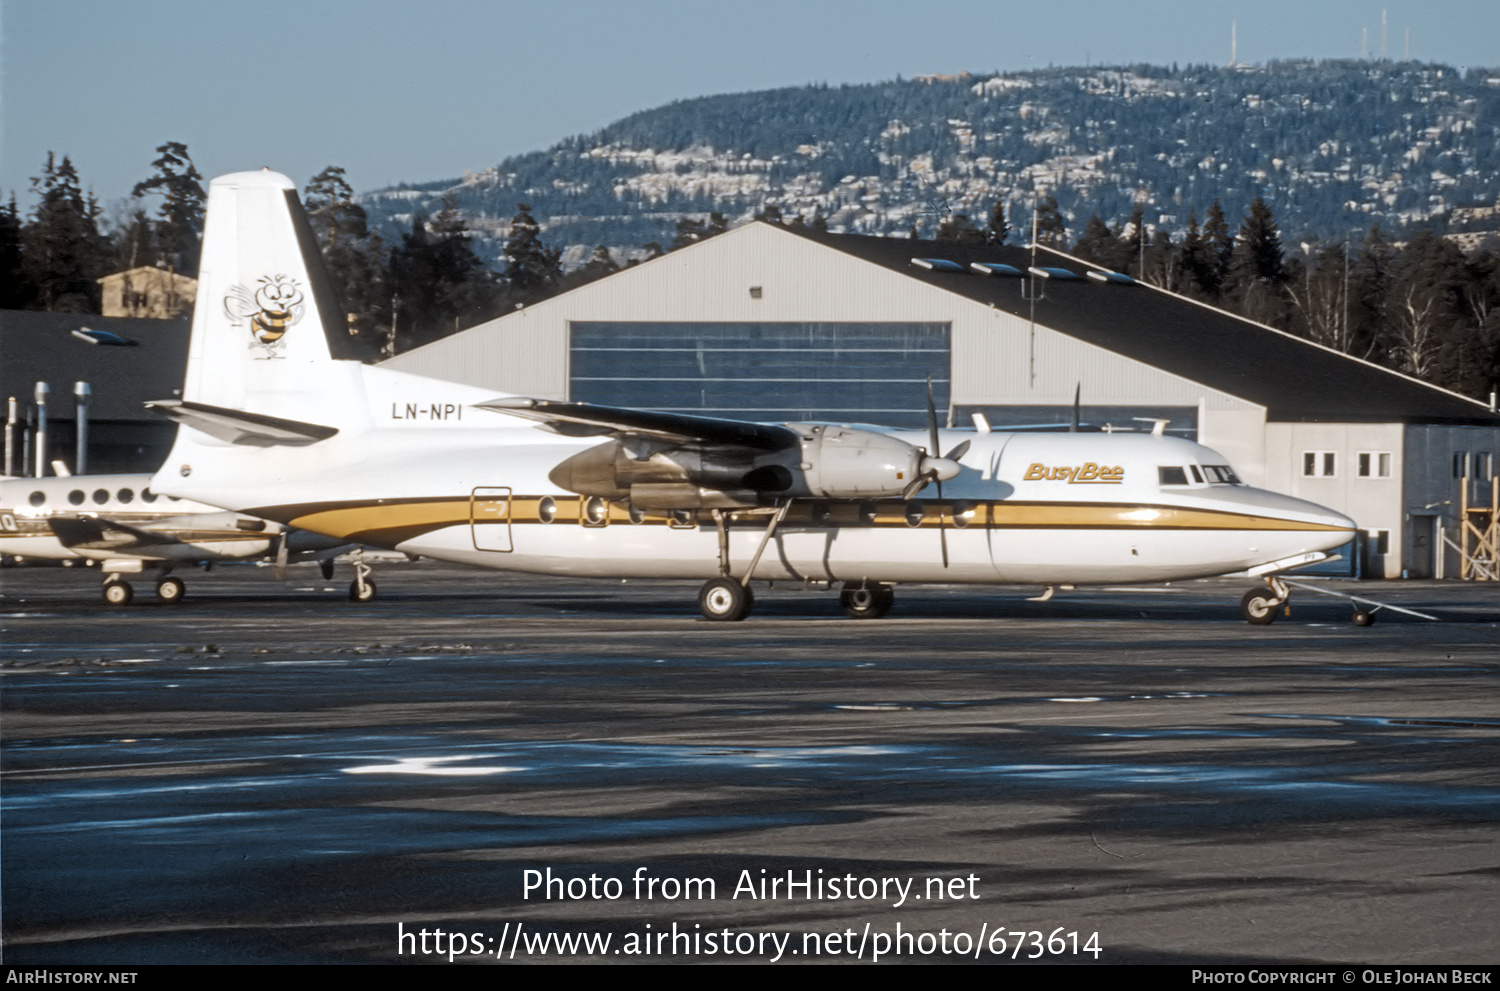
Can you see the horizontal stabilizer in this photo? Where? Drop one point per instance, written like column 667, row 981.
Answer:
column 566, row 418
column 240, row 427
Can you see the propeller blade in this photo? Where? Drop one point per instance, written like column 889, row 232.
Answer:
column 932, row 428
column 281, row 554
column 942, row 527
column 957, row 454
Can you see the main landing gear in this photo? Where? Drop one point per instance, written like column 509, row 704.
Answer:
column 119, row 592
column 866, row 600
column 727, row 599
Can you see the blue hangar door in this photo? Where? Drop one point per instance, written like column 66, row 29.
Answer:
column 771, row 372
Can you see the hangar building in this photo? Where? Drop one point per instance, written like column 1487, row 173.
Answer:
column 770, row 323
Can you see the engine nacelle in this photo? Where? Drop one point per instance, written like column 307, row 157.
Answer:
column 828, row 462
column 850, row 463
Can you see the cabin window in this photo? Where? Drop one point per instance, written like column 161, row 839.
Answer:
column 963, row 514
column 1319, row 464
column 125, row 495
column 147, row 495
column 546, row 510
column 1374, row 464
column 595, row 511
column 37, row 498
column 637, row 515
column 76, row 497
column 101, row 496
column 1171, row 475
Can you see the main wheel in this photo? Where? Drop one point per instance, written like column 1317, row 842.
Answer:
column 170, row 590
column 361, row 592
column 725, row 600
column 1259, row 607
column 118, row 593
column 861, row 601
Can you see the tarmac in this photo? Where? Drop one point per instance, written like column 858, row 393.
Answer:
column 486, row 768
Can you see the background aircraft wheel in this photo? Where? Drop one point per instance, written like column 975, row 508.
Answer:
column 326, row 566
column 118, row 593
column 358, row 593
column 1259, row 607
column 1362, row 617
column 868, row 601
column 170, row 590
column 725, row 600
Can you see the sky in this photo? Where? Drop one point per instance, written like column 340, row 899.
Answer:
column 405, row 92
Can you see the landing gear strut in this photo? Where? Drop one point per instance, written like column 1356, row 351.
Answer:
column 362, row 589
column 729, row 599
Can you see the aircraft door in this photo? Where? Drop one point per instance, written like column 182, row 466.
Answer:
column 489, row 519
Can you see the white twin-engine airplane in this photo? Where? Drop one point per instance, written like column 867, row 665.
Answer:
column 278, row 423
column 123, row 525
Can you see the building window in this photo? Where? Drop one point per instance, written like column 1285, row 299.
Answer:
column 1319, row 464
column 1374, row 464
column 1460, row 464
column 1380, row 541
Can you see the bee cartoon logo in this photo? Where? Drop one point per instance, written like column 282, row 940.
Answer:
column 274, row 306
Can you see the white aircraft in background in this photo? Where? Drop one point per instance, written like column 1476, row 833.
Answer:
column 278, row 422
column 120, row 522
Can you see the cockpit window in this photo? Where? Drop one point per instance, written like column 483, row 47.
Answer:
column 1221, row 474
column 1171, row 475
column 1196, row 476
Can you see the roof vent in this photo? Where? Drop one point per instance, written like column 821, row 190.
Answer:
column 938, row 265
column 995, row 268
column 1117, row 277
column 1052, row 273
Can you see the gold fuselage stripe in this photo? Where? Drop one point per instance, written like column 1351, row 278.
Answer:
column 391, row 521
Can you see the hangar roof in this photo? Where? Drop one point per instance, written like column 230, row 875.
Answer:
column 1294, row 379
column 41, row 347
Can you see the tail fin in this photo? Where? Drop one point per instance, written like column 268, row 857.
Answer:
column 267, row 320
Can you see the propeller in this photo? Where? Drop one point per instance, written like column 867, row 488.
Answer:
column 936, row 469
column 281, row 555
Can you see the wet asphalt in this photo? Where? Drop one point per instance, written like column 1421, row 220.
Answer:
column 486, row 768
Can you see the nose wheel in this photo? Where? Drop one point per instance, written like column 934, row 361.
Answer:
column 1261, row 606
column 725, row 600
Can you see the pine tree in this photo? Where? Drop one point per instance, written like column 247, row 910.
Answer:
column 997, row 229
column 14, row 288
column 1093, row 244
column 532, row 269
column 63, row 254
column 1255, row 281
column 352, row 253
column 179, row 232
column 1051, row 229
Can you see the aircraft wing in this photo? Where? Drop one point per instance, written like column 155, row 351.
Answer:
column 98, row 533
column 584, row 419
